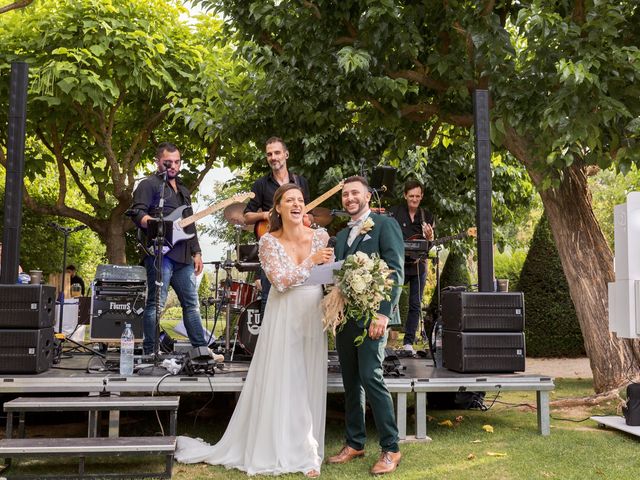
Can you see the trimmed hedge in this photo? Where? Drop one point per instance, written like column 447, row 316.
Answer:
column 551, row 324
column 454, row 273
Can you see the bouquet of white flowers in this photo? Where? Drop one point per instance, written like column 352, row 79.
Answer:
column 362, row 284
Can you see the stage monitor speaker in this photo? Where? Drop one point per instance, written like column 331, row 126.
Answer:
column 26, row 351
column 27, row 306
column 483, row 352
column 483, row 311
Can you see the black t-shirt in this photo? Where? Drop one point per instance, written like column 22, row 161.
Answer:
column 411, row 227
column 79, row 281
column 146, row 200
column 265, row 187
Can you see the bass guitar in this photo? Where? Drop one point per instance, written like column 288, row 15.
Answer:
column 262, row 226
column 174, row 224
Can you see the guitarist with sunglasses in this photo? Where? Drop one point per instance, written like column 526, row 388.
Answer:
column 257, row 210
column 183, row 261
column 414, row 221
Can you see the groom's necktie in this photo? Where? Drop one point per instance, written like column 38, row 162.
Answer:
column 355, row 229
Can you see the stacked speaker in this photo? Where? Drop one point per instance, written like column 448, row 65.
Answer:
column 119, row 297
column 483, row 331
column 27, row 318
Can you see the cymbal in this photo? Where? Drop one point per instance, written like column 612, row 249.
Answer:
column 322, row 216
column 234, row 213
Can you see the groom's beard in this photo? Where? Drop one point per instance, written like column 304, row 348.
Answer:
column 362, row 206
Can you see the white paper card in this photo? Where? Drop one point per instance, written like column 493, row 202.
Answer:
column 323, row 274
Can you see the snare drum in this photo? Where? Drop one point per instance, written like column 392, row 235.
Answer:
column 241, row 294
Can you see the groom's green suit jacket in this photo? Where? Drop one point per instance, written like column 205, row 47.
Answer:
column 385, row 239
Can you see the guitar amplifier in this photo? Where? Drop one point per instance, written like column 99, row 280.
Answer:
column 27, row 306
column 26, row 351
column 483, row 352
column 116, row 302
column 483, row 311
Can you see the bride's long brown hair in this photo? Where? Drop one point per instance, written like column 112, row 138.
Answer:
column 275, row 220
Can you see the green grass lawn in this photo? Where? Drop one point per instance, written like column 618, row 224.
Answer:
column 515, row 450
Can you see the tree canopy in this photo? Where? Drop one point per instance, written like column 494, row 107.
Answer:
column 102, row 74
column 563, row 78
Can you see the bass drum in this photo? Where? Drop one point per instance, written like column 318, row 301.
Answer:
column 249, row 326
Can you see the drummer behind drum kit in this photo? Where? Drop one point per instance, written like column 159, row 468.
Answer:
column 238, row 296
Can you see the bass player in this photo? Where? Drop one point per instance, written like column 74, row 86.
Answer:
column 183, row 262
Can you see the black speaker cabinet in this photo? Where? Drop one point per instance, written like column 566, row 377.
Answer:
column 27, row 306
column 110, row 312
column 483, row 352
column 26, row 351
column 483, row 311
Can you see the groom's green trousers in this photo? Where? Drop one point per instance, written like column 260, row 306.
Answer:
column 362, row 376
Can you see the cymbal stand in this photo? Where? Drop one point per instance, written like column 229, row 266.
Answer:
column 216, row 301
column 227, row 266
column 235, row 342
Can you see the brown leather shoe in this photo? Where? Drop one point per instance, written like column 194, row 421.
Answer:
column 346, row 455
column 387, row 463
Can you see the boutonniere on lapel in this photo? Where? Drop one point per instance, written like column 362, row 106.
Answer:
column 367, row 226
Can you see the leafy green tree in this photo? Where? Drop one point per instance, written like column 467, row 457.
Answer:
column 15, row 5
column 41, row 247
column 101, row 74
column 563, row 78
column 610, row 188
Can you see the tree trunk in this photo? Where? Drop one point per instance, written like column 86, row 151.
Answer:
column 115, row 242
column 587, row 262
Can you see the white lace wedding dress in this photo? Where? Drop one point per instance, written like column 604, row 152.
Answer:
column 278, row 424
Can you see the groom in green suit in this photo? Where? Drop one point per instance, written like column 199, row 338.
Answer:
column 362, row 366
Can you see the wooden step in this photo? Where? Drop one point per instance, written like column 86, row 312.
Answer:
column 60, row 404
column 86, row 447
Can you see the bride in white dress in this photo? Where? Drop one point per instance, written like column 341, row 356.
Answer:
column 278, row 423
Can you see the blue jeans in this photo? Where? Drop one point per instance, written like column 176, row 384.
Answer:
column 416, row 287
column 182, row 278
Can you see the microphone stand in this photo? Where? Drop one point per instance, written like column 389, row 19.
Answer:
column 158, row 244
column 66, row 232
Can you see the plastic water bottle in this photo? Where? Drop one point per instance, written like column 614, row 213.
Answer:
column 127, row 343
column 438, row 346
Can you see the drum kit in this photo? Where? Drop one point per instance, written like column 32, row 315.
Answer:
column 239, row 297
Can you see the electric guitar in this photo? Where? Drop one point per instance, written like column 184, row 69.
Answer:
column 262, row 226
column 174, row 223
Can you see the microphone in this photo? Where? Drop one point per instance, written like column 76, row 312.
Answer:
column 167, row 164
column 332, row 242
column 382, row 189
column 339, row 213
